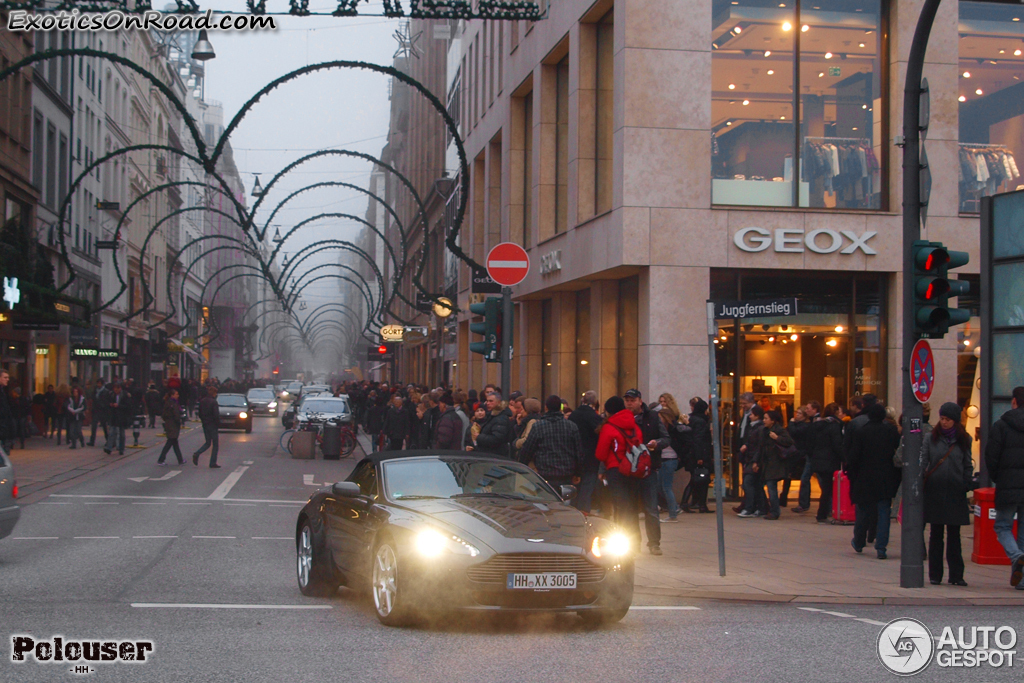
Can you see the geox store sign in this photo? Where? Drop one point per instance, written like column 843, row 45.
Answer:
column 793, row 240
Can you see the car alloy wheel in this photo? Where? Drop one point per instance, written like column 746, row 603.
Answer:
column 305, row 557
column 385, row 581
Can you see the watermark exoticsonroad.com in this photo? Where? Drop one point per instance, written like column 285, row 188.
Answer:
column 115, row 20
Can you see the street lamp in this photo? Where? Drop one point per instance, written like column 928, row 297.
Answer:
column 277, row 232
column 203, row 51
column 257, row 191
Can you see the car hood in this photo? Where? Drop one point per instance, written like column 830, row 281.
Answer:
column 509, row 525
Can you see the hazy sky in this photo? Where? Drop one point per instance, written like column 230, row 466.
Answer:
column 341, row 109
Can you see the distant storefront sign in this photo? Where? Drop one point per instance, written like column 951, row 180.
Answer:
column 95, row 353
column 756, row 308
column 794, row 240
column 483, row 284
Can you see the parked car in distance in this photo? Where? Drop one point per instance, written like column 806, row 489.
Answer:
column 262, row 401
column 9, row 509
column 326, row 407
column 234, row 412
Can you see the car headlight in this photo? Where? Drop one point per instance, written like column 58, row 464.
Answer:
column 242, row 415
column 283, row 394
column 614, row 545
column 272, row 404
column 432, row 543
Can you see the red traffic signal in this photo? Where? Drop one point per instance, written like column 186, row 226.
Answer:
column 382, row 349
column 276, row 369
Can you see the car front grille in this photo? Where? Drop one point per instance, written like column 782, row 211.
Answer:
column 496, row 569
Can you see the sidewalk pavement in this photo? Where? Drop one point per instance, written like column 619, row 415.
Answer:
column 794, row 559
column 43, row 464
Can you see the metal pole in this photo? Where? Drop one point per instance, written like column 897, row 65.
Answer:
column 912, row 534
column 715, row 437
column 506, row 341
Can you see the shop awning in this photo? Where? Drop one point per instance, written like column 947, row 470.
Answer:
column 191, row 353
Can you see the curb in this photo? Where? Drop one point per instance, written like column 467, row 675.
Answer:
column 981, row 601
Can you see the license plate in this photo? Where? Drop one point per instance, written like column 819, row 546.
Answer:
column 548, row 581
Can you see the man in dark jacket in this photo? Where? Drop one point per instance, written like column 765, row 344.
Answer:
column 396, row 425
column 377, row 407
column 209, row 415
column 588, row 422
column 8, row 426
column 154, row 404
column 873, row 478
column 754, row 501
column 655, row 436
column 800, row 427
column 448, row 434
column 1004, row 458
column 121, row 412
column 493, row 437
column 553, row 446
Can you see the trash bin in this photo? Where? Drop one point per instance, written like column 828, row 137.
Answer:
column 304, row 445
column 331, row 445
column 986, row 547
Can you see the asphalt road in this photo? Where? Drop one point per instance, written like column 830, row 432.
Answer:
column 201, row 563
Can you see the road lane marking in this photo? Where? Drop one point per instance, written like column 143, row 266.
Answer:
column 247, row 462
column 307, row 479
column 53, row 503
column 154, row 536
column 226, row 500
column 251, row 505
column 271, row 538
column 844, row 615
column 221, row 492
column 185, row 605
column 664, row 607
column 148, row 503
column 100, row 503
column 809, row 609
column 189, row 503
column 96, row 537
column 34, row 538
column 213, row 537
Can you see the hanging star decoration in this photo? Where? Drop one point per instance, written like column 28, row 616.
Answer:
column 407, row 42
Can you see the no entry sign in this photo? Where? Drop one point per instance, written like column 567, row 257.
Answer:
column 507, row 264
column 922, row 370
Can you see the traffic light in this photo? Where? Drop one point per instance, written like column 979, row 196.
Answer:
column 490, row 328
column 932, row 289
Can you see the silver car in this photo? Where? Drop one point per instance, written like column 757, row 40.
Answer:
column 9, row 510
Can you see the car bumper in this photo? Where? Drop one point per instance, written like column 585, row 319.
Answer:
column 262, row 410
column 8, row 518
column 444, row 588
column 235, row 423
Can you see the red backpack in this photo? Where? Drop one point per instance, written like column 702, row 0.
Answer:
column 636, row 460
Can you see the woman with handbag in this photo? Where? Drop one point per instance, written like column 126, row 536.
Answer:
column 948, row 477
column 776, row 448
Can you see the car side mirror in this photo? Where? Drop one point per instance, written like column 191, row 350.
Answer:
column 346, row 489
column 568, row 492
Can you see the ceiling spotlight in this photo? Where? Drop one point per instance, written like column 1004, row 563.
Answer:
column 821, row 74
column 786, row 26
column 737, row 30
column 771, row 72
column 783, row 327
column 839, row 328
column 962, row 98
column 805, row 28
column 1016, row 53
column 728, row 123
column 967, row 342
column 794, row 337
column 771, row 339
column 782, row 118
column 732, row 86
column 861, row 45
column 767, row 53
column 979, row 91
column 831, row 342
column 967, row 74
column 746, row 102
column 863, row 106
column 828, row 55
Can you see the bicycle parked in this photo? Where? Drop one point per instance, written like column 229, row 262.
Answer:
column 315, row 422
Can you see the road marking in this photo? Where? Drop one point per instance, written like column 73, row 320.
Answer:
column 307, row 479
column 154, row 536
column 664, row 607
column 34, row 538
column 250, row 505
column 102, row 503
column 271, row 538
column 221, row 492
column 189, row 503
column 871, row 621
column 95, row 537
column 224, row 606
column 844, row 615
column 247, row 462
column 213, row 537
column 54, row 503
column 809, row 609
column 148, row 503
column 226, row 500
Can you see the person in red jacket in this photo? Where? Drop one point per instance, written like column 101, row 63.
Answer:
column 618, row 435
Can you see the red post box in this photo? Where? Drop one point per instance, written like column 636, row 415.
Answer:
column 986, row 548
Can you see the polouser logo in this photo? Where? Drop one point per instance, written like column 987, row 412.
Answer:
column 905, row 646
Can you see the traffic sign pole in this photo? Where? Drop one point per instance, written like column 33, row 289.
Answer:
column 506, row 341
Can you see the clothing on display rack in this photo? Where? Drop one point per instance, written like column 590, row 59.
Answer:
column 845, row 167
column 983, row 168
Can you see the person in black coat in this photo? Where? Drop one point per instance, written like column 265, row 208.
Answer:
column 1004, row 457
column 588, row 422
column 826, row 455
column 800, row 429
column 948, row 477
column 701, row 452
column 396, row 425
column 493, row 436
column 377, row 407
column 873, row 478
column 154, row 404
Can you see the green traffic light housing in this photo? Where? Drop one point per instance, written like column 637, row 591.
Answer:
column 490, row 328
column 932, row 289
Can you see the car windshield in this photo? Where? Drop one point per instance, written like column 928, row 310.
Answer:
column 449, row 477
column 261, row 394
column 333, row 405
column 231, row 400
column 294, row 387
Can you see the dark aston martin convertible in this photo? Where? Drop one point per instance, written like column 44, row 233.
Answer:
column 430, row 531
